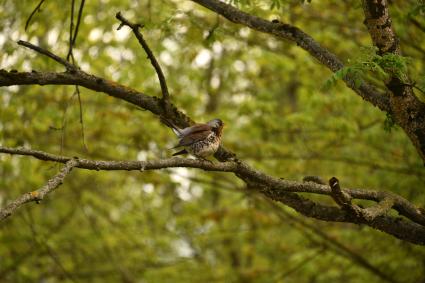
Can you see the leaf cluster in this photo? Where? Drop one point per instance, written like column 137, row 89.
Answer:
column 370, row 63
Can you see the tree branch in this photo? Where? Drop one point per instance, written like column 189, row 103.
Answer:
column 73, row 32
column 378, row 23
column 49, row 54
column 408, row 111
column 370, row 213
column 39, row 194
column 37, row 8
column 382, row 208
column 274, row 188
column 343, row 199
column 305, row 41
column 135, row 28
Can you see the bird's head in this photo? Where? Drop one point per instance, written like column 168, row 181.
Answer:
column 216, row 125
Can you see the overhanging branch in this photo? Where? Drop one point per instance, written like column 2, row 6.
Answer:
column 410, row 229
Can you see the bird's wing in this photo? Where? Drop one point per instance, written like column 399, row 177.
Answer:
column 194, row 129
column 193, row 137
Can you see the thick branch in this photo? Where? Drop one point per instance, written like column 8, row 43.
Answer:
column 82, row 79
column 407, row 110
column 135, row 28
column 294, row 34
column 39, row 194
column 274, row 188
column 382, row 208
column 379, row 24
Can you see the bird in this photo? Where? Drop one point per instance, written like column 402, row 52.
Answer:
column 200, row 140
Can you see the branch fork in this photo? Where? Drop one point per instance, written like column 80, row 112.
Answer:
column 135, row 27
column 343, row 199
column 39, row 194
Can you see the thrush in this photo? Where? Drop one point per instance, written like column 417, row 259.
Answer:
column 200, row 140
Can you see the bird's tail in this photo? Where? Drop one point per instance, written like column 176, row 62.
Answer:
column 184, row 151
column 171, row 125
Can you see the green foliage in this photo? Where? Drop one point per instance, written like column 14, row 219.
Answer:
column 186, row 225
column 367, row 62
column 389, row 123
column 417, row 10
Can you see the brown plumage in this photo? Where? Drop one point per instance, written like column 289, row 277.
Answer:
column 200, row 140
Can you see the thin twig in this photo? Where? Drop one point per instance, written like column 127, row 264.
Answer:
column 72, row 38
column 39, row 194
column 69, row 67
column 37, row 8
column 77, row 25
column 49, row 54
column 77, row 90
column 154, row 62
column 64, row 121
column 71, row 31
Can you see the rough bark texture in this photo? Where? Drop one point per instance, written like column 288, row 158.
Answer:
column 408, row 111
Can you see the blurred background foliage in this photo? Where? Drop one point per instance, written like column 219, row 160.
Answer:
column 184, row 225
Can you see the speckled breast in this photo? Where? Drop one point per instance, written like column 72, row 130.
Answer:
column 205, row 147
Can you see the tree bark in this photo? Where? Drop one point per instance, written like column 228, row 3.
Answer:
column 407, row 110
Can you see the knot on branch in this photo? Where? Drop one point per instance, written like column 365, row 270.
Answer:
column 340, row 197
column 35, row 196
column 343, row 199
column 125, row 22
